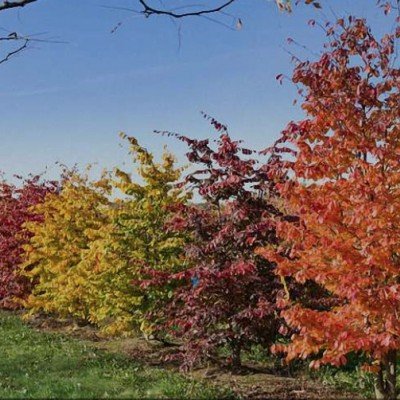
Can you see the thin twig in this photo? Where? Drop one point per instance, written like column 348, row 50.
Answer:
column 14, row 52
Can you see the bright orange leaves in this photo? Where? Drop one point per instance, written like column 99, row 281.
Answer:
column 344, row 186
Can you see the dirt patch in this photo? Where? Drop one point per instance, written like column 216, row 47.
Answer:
column 152, row 352
column 261, row 385
column 68, row 326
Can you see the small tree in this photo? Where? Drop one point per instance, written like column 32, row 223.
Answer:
column 15, row 211
column 344, row 185
column 228, row 293
column 69, row 222
column 135, row 238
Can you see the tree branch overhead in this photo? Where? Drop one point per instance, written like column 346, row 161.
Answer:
column 5, row 5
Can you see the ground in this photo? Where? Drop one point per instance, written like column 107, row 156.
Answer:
column 37, row 364
column 44, row 359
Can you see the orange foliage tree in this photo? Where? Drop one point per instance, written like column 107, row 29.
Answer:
column 342, row 168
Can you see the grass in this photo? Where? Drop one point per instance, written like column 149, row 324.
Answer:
column 350, row 378
column 354, row 380
column 48, row 365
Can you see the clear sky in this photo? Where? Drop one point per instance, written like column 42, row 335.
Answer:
column 68, row 102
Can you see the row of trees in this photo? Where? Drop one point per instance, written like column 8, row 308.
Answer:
column 296, row 246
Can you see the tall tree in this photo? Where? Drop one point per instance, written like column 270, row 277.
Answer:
column 343, row 182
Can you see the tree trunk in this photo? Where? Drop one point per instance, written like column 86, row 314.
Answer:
column 385, row 384
column 236, row 355
column 391, row 374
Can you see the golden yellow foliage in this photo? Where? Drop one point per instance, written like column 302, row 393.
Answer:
column 72, row 219
column 135, row 238
column 88, row 255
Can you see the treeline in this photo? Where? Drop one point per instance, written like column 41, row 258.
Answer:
column 294, row 248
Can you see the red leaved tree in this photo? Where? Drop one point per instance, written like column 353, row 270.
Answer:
column 344, row 185
column 15, row 210
column 228, row 293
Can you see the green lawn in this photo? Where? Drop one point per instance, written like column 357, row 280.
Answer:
column 46, row 365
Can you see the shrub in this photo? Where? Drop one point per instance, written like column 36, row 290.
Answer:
column 16, row 204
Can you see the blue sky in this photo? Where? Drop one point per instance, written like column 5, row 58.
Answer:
column 67, row 102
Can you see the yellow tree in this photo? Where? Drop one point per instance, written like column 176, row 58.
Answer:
column 53, row 256
column 136, row 240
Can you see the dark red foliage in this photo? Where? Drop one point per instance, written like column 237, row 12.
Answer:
column 15, row 210
column 229, row 295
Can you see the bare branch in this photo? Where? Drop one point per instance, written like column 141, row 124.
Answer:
column 14, row 52
column 26, row 42
column 148, row 10
column 14, row 36
column 14, row 4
